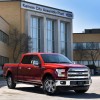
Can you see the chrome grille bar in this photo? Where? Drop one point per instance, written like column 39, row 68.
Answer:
column 78, row 73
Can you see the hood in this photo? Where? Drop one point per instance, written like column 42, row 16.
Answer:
column 55, row 65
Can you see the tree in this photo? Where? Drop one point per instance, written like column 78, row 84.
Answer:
column 19, row 43
column 93, row 53
column 80, row 52
column 88, row 52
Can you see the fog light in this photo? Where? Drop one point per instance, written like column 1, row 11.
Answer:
column 63, row 82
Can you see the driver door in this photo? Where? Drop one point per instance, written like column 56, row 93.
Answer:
column 36, row 71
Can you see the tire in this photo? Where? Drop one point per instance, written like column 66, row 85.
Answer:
column 49, row 86
column 10, row 82
column 81, row 91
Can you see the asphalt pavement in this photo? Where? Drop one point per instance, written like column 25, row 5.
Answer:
column 28, row 92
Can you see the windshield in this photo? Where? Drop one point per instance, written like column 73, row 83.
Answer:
column 55, row 58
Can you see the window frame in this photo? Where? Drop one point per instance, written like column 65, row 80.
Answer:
column 50, row 33
column 64, row 32
column 35, row 39
column 32, row 56
column 4, row 37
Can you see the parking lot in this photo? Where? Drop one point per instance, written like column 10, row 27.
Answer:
column 28, row 92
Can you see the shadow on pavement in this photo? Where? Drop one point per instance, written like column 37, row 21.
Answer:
column 31, row 89
column 71, row 94
column 68, row 94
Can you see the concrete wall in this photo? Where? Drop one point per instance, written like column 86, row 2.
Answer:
column 13, row 14
column 82, row 37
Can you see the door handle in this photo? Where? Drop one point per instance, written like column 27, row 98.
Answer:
column 20, row 67
column 29, row 68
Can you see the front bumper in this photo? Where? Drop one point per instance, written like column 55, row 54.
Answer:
column 73, row 82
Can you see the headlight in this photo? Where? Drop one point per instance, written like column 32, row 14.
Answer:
column 60, row 72
column 89, row 73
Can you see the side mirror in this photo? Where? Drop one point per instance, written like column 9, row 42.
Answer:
column 34, row 62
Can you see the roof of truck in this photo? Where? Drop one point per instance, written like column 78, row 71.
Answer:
column 38, row 53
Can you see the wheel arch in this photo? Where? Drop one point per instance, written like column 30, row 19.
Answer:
column 8, row 73
column 47, row 75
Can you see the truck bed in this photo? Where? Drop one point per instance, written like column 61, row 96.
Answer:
column 10, row 67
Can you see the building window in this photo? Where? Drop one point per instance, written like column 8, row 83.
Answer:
column 3, row 60
column 92, row 45
column 35, row 34
column 86, row 46
column 63, row 38
column 50, row 35
column 4, row 37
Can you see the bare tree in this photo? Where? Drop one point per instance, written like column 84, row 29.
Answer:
column 80, row 52
column 19, row 42
column 93, row 53
column 90, row 52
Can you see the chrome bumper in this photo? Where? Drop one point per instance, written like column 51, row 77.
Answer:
column 73, row 82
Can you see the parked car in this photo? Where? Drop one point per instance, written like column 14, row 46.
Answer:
column 52, row 71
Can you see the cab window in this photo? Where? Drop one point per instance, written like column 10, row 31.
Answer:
column 29, row 58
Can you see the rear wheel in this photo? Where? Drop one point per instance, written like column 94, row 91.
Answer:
column 10, row 82
column 49, row 86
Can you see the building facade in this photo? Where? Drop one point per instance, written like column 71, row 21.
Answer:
column 4, row 40
column 50, row 28
column 87, row 47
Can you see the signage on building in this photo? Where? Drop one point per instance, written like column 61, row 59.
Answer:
column 47, row 10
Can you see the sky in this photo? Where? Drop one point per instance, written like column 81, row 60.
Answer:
column 86, row 12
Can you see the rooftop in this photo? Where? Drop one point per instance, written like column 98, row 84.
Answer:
column 90, row 31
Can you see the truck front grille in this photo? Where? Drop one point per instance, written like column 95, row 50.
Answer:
column 78, row 73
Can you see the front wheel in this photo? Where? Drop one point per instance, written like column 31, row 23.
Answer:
column 10, row 82
column 49, row 86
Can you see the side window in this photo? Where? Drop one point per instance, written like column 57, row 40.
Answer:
column 27, row 59
column 36, row 60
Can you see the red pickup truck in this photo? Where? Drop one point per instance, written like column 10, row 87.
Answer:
column 51, row 71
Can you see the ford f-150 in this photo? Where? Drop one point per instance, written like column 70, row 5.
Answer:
column 51, row 71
